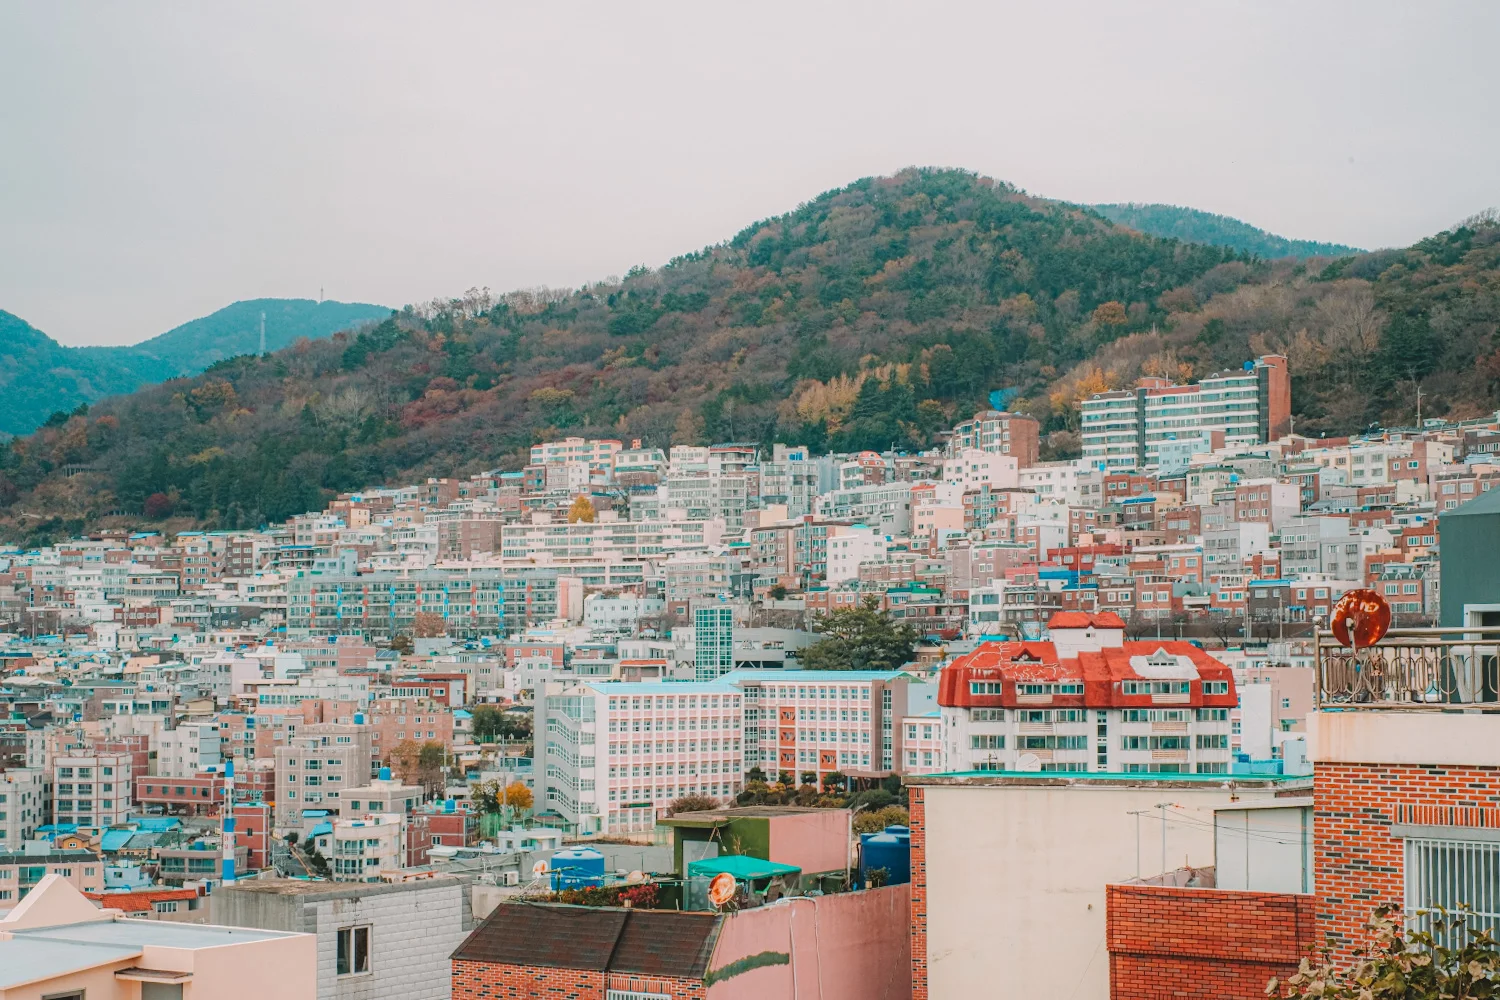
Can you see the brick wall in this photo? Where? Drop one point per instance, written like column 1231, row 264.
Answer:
column 1357, row 863
column 494, row 981
column 918, row 816
column 678, row 989
column 1166, row 941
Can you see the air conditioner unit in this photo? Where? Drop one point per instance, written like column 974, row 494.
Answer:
column 510, row 878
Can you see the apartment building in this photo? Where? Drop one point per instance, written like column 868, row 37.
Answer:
column 92, row 790
column 1087, row 700
column 999, row 433
column 824, row 721
column 469, row 599
column 885, row 507
column 23, row 868
column 22, row 805
column 191, row 748
column 318, row 763
column 595, row 452
column 612, row 755
column 1126, row 429
column 562, row 543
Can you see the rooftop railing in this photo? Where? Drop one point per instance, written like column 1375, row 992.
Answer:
column 1440, row 669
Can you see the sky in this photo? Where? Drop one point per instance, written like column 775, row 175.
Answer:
column 161, row 160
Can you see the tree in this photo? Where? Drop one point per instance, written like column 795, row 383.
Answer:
column 429, row 625
column 860, row 638
column 494, row 798
column 873, row 821
column 582, row 510
column 1438, row 958
column 418, row 764
column 401, row 643
column 834, row 781
column 778, row 592
column 492, row 725
column 158, row 506
column 692, row 803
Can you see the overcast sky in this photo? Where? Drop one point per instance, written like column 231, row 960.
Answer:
column 158, row 161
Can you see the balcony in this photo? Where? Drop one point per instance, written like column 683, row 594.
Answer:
column 1440, row 669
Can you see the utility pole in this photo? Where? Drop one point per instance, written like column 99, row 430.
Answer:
column 262, row 334
column 1163, row 807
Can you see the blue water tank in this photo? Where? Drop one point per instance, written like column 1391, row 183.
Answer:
column 889, row 849
column 449, row 805
column 385, row 774
column 577, row 867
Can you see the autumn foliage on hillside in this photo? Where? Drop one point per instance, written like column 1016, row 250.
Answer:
column 870, row 317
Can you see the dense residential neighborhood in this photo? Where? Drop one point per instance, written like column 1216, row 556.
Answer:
column 893, row 696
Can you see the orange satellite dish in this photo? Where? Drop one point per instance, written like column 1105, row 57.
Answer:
column 1360, row 618
column 721, row 888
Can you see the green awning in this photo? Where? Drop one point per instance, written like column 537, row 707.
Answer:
column 741, row 867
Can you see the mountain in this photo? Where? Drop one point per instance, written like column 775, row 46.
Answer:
column 1192, row 226
column 42, row 377
column 235, row 330
column 872, row 316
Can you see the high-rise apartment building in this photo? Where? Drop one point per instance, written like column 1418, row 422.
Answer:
column 1128, row 428
column 616, row 754
column 1001, row 434
column 713, row 641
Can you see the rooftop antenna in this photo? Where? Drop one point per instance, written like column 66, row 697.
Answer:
column 262, row 334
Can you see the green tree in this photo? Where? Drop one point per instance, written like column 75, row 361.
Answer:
column 1441, row 958
column 861, row 638
column 492, row 725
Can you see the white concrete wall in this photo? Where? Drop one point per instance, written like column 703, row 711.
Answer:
column 1388, row 736
column 1016, row 877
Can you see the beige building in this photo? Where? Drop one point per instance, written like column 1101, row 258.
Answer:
column 57, row 945
column 24, row 869
column 318, row 764
column 358, row 850
column 1009, row 870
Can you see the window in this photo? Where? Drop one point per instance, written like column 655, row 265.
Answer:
column 985, row 687
column 986, row 715
column 1451, row 873
column 353, row 951
column 987, row 742
column 1215, row 687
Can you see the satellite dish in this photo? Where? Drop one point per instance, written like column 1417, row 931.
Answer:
column 636, row 877
column 721, row 888
column 1360, row 618
column 540, row 868
column 1028, row 762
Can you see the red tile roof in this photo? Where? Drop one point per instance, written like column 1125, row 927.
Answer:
column 1085, row 619
column 139, row 900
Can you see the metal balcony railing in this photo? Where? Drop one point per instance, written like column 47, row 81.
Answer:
column 1412, row 668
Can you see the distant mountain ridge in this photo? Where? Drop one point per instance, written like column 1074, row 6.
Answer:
column 40, row 377
column 1194, row 226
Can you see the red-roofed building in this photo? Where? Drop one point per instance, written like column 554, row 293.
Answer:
column 1085, row 699
column 158, row 904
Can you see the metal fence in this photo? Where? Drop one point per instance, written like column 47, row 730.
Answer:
column 1415, row 668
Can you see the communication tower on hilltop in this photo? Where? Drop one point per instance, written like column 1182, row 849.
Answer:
column 262, row 333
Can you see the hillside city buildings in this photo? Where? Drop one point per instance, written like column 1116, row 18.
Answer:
column 344, row 747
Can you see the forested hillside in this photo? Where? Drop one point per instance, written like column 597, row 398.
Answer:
column 40, row 377
column 1194, row 226
column 869, row 317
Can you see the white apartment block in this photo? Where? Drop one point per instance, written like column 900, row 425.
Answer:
column 91, row 789
column 562, row 543
column 191, row 748
column 1053, row 482
column 359, row 849
column 972, row 467
column 598, row 453
column 885, row 507
column 21, row 806
column 612, row 756
column 849, row 548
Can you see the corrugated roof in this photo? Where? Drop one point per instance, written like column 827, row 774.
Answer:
column 598, row 939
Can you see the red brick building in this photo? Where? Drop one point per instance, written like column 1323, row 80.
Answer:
column 1175, row 941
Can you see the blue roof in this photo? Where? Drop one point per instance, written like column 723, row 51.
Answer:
column 321, row 829
column 113, row 840
column 156, row 824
